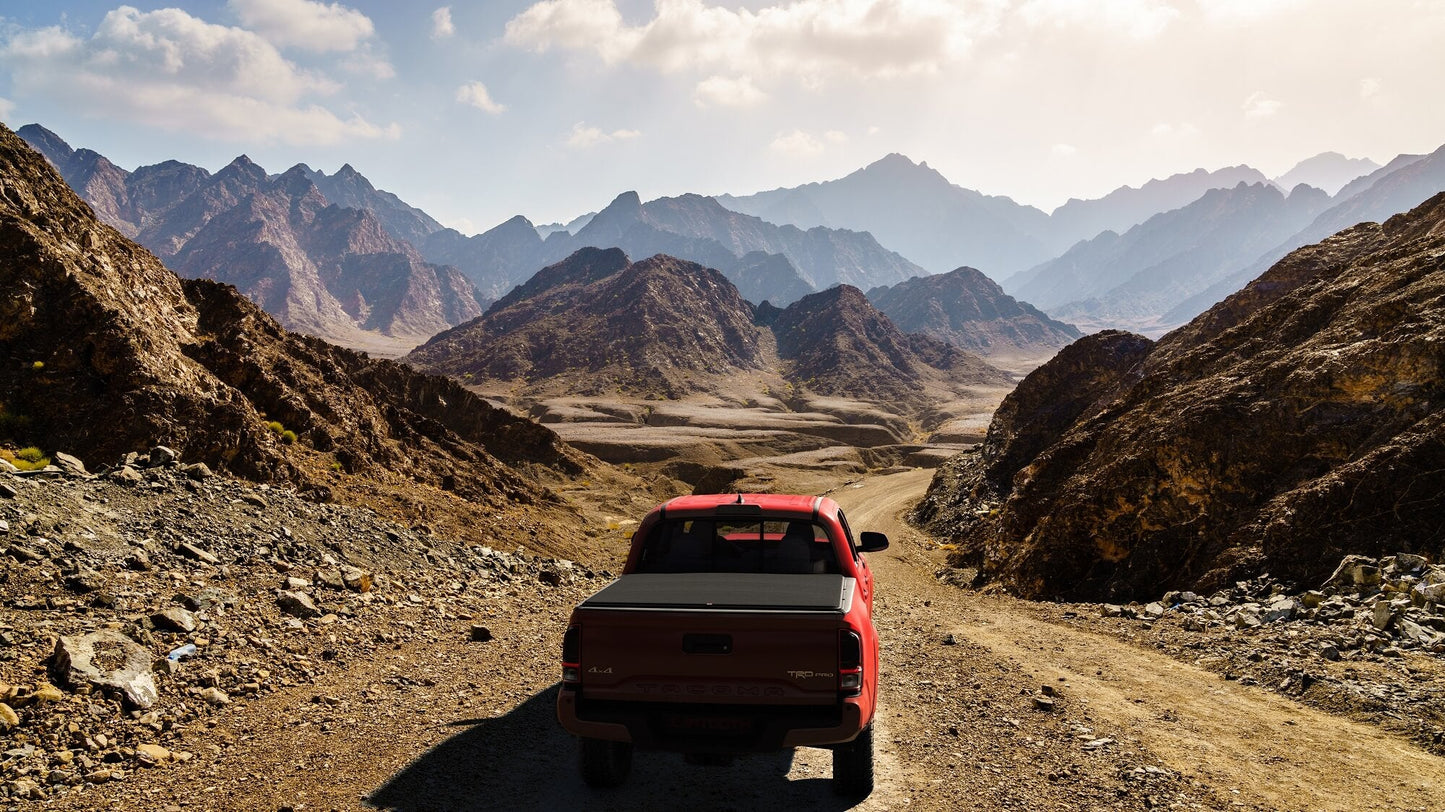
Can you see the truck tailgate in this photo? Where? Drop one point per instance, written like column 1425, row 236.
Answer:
column 734, row 638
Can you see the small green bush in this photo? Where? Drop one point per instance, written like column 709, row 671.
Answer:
column 38, row 365
column 275, row 427
column 288, row 437
column 31, row 459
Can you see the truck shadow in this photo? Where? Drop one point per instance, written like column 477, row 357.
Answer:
column 524, row 760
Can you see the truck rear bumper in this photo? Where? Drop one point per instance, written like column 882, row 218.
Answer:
column 704, row 728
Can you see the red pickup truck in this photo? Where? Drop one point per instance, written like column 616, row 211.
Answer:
column 741, row 623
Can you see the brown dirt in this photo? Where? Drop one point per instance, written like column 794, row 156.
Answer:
column 435, row 722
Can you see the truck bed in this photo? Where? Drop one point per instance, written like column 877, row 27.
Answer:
column 725, row 591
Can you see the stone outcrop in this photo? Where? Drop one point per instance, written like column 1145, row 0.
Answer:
column 1296, row 422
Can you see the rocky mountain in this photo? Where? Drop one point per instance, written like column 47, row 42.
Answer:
column 321, row 268
column 914, row 210
column 1397, row 187
column 108, row 352
column 1133, row 279
column 597, row 323
column 1297, row 421
column 967, row 309
column 837, row 343
column 350, row 189
column 1330, row 171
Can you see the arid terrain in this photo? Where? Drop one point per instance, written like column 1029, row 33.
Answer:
column 433, row 690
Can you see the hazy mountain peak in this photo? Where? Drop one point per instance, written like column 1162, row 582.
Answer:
column 1330, row 171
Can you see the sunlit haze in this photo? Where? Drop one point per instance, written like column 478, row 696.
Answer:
column 477, row 112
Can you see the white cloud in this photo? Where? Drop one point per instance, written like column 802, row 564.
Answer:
column 812, row 40
column 797, row 144
column 441, row 23
column 584, row 136
column 1260, row 105
column 835, row 137
column 1141, row 19
column 1165, row 129
column 475, row 94
column 722, row 91
column 1369, row 88
column 171, row 70
column 1231, row 11
column 1063, row 150
column 6, row 108
column 303, row 24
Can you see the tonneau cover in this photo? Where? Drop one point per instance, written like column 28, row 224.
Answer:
column 726, row 591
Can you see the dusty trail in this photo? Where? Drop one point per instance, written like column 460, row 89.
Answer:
column 440, row 724
column 1273, row 752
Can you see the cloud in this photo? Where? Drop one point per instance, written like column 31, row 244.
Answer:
column 1235, row 11
column 1369, row 88
column 303, row 24
column 584, row 136
column 797, row 144
column 441, row 23
column 170, row 70
column 1259, row 105
column 722, row 91
column 475, row 94
column 1140, row 19
column 1063, row 150
column 6, row 108
column 813, row 40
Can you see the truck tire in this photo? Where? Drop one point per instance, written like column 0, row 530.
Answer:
column 853, row 766
column 604, row 763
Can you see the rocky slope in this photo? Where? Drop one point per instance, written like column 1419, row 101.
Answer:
column 319, row 266
column 108, row 352
column 1295, row 422
column 969, row 310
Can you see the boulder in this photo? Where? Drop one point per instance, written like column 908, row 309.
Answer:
column 108, row 660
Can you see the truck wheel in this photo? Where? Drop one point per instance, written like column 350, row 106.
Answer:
column 604, row 763
column 853, row 766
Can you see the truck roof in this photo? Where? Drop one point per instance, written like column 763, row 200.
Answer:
column 772, row 504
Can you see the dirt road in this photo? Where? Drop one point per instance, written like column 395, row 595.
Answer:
column 437, row 723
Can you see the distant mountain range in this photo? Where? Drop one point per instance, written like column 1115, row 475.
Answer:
column 1132, row 278
column 597, row 323
column 768, row 262
column 327, row 270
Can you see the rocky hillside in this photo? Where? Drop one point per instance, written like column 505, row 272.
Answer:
column 107, row 352
column 597, row 323
column 1297, row 421
column 969, row 310
column 327, row 270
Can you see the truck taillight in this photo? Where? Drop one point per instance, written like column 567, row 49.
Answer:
column 850, row 663
column 572, row 654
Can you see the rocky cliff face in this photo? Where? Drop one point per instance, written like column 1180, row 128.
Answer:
column 107, row 352
column 332, row 268
column 1297, row 421
column 969, row 310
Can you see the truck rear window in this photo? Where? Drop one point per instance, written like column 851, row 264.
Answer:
column 738, row 545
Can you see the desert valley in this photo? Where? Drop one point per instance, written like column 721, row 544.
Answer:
column 298, row 485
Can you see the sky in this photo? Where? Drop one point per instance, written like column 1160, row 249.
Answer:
column 479, row 111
